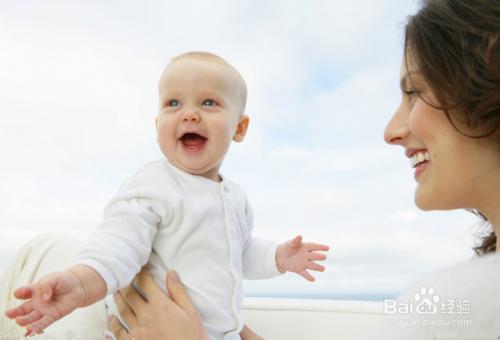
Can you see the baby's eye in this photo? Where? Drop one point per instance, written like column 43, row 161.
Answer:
column 209, row 102
column 173, row 102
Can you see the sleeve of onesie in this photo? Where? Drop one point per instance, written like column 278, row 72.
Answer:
column 259, row 255
column 121, row 244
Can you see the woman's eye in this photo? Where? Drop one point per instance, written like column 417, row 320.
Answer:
column 411, row 92
column 208, row 102
column 173, row 102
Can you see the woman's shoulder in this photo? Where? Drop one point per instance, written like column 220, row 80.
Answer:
column 459, row 302
column 475, row 277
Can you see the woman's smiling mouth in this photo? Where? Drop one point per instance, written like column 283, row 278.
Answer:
column 420, row 161
column 419, row 157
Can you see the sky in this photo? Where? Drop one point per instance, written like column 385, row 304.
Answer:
column 78, row 98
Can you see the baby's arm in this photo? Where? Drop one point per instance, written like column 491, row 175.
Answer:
column 56, row 295
column 299, row 257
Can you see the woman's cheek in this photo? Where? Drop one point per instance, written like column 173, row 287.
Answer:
column 419, row 120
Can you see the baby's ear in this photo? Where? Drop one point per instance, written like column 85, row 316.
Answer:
column 241, row 129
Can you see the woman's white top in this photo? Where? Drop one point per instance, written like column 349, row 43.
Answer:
column 169, row 219
column 460, row 303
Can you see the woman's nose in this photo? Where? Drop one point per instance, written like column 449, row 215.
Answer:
column 397, row 130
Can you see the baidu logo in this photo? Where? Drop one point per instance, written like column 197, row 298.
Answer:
column 426, row 301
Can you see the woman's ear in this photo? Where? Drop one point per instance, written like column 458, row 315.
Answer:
column 241, row 129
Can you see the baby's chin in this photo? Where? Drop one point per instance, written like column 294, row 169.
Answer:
column 208, row 171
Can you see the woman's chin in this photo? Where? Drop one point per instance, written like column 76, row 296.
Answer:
column 423, row 202
column 427, row 202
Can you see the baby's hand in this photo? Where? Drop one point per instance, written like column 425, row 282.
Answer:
column 51, row 298
column 296, row 256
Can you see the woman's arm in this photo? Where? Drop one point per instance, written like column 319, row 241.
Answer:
column 160, row 317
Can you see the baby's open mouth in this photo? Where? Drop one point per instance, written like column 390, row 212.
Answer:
column 193, row 141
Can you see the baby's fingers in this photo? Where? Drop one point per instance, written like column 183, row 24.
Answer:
column 21, row 310
column 23, row 293
column 31, row 333
column 317, row 256
column 38, row 326
column 29, row 318
column 316, row 267
column 317, row 246
column 305, row 274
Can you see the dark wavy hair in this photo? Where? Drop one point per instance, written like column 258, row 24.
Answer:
column 455, row 46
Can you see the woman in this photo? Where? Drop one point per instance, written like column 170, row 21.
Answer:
column 448, row 124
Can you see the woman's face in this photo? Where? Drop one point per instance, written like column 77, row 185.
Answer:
column 451, row 170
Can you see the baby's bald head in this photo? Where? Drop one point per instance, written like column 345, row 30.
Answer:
column 240, row 87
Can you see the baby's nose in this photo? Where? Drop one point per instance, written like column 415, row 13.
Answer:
column 191, row 116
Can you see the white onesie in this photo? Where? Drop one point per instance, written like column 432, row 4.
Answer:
column 171, row 219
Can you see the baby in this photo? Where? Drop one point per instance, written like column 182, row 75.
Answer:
column 178, row 213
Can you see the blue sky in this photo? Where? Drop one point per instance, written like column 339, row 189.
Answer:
column 79, row 99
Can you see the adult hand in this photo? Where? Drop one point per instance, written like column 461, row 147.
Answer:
column 248, row 334
column 160, row 317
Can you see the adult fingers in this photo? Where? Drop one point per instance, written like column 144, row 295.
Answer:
column 178, row 293
column 146, row 285
column 114, row 325
column 247, row 333
column 116, row 328
column 315, row 266
column 132, row 297
column 305, row 274
column 126, row 312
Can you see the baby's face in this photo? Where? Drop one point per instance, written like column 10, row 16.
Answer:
column 199, row 115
